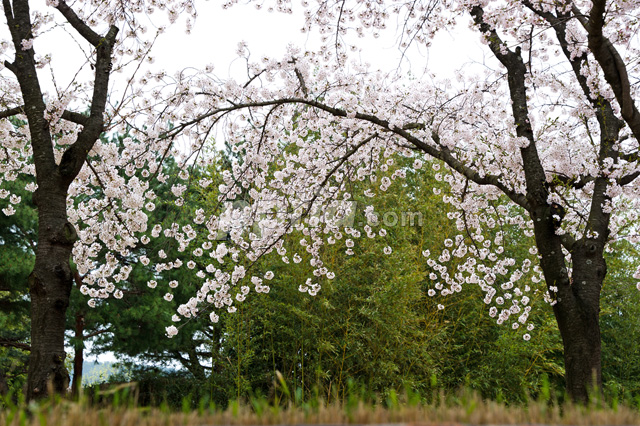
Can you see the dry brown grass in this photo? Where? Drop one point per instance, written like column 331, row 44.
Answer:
column 472, row 411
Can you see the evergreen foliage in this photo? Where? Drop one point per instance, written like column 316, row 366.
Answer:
column 372, row 330
column 17, row 245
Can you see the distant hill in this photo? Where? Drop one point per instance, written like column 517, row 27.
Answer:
column 96, row 372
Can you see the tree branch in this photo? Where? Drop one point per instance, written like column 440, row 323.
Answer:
column 613, row 67
column 95, row 333
column 631, row 157
column 11, row 67
column 303, row 86
column 441, row 153
column 578, row 182
column 559, row 25
column 75, row 156
column 75, row 117
column 78, row 24
column 13, row 344
column 12, row 112
column 568, row 242
column 625, row 180
column 19, row 20
column 516, row 70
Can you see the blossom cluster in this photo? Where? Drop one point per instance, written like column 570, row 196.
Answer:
column 302, row 129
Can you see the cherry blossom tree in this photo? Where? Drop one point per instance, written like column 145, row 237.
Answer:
column 59, row 140
column 50, row 281
column 545, row 141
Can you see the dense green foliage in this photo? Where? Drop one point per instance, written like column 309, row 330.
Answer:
column 17, row 245
column 620, row 323
column 373, row 330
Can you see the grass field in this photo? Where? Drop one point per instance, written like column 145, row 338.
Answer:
column 461, row 409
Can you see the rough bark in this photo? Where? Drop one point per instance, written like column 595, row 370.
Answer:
column 576, row 304
column 50, row 288
column 14, row 344
column 577, row 312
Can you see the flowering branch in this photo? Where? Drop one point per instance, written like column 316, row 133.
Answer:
column 74, row 117
column 614, row 68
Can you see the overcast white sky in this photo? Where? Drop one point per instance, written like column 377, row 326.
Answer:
column 217, row 32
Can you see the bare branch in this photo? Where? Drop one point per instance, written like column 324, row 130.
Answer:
column 559, row 25
column 625, row 180
column 414, row 126
column 568, row 242
column 78, row 24
column 302, row 85
column 13, row 344
column 75, row 117
column 578, row 182
column 631, row 157
column 75, row 156
column 11, row 67
column 12, row 112
column 96, row 333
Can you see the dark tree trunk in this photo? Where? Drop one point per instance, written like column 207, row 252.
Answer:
column 4, row 387
column 576, row 302
column 577, row 293
column 78, row 357
column 581, row 340
column 192, row 363
column 577, row 312
column 50, row 288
